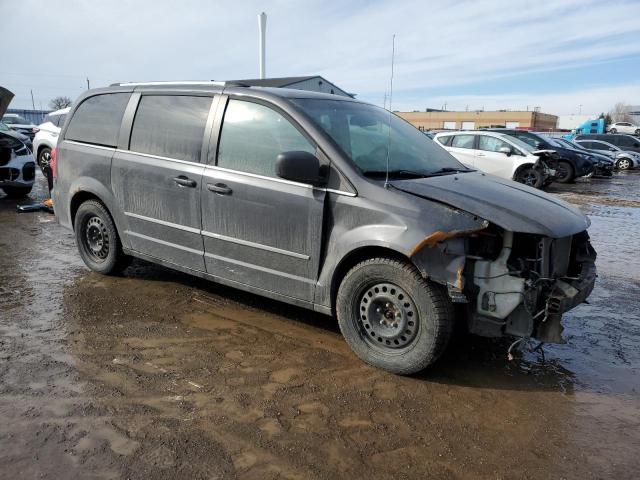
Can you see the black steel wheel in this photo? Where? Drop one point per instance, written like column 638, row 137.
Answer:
column 389, row 317
column 97, row 238
column 392, row 317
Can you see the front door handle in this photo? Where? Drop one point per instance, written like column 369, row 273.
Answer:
column 184, row 181
column 219, row 188
column 481, row 155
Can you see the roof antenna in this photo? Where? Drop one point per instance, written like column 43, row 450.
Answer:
column 393, row 53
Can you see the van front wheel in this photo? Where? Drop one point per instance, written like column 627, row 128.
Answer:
column 97, row 238
column 392, row 317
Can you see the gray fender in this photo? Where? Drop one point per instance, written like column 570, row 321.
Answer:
column 93, row 186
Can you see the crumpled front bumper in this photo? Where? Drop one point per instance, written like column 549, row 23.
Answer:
column 565, row 296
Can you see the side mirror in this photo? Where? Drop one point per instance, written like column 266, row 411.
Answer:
column 506, row 150
column 299, row 166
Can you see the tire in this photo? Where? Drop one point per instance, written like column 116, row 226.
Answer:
column 613, row 131
column 415, row 326
column 565, row 172
column 98, row 240
column 17, row 192
column 637, row 134
column 623, row 164
column 530, row 176
column 44, row 157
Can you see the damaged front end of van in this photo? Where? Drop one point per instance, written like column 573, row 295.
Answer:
column 517, row 266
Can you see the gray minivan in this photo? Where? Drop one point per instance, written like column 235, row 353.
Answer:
column 321, row 201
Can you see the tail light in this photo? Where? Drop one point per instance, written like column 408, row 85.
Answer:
column 53, row 163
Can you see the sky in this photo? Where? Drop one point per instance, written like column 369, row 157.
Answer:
column 563, row 56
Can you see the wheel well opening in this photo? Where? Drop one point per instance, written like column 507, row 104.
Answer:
column 355, row 257
column 522, row 167
column 78, row 199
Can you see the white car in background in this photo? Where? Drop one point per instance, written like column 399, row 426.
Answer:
column 501, row 155
column 624, row 127
column 47, row 137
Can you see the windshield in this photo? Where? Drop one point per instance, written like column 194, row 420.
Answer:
column 17, row 120
column 362, row 132
column 525, row 147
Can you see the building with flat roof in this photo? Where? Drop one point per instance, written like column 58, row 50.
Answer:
column 447, row 120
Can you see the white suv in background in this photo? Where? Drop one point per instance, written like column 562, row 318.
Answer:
column 624, row 127
column 47, row 137
column 501, row 155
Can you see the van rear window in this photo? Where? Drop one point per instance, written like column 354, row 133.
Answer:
column 97, row 119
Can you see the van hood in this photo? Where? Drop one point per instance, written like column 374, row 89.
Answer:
column 510, row 205
column 5, row 99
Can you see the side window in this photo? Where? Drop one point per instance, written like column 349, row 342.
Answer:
column 625, row 141
column 463, row 141
column 170, row 126
column 254, row 135
column 97, row 119
column 599, row 146
column 445, row 140
column 491, row 144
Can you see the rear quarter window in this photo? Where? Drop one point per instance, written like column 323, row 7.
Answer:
column 97, row 119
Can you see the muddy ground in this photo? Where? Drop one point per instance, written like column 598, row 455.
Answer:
column 156, row 374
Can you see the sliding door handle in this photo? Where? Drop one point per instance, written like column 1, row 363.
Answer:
column 184, row 181
column 219, row 188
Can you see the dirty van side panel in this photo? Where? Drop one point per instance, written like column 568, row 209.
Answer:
column 156, row 181
column 258, row 229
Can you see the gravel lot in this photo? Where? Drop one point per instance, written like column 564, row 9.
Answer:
column 156, row 374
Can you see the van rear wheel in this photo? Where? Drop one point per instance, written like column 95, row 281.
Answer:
column 392, row 317
column 97, row 239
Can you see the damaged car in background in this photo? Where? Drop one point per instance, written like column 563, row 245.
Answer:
column 17, row 166
column 325, row 202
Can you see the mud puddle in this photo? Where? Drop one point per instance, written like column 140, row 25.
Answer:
column 159, row 375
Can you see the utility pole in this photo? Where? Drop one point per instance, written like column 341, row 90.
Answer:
column 88, row 86
column 33, row 104
column 262, row 26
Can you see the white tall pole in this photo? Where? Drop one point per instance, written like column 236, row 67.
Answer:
column 262, row 25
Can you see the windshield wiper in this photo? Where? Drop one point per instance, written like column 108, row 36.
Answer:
column 395, row 173
column 414, row 174
column 447, row 171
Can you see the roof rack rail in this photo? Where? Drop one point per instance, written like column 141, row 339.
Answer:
column 187, row 82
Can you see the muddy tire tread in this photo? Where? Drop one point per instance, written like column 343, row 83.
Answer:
column 442, row 318
column 117, row 263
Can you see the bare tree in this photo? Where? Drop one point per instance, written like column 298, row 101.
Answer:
column 620, row 113
column 59, row 102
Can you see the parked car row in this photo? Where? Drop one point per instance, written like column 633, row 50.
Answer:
column 538, row 159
